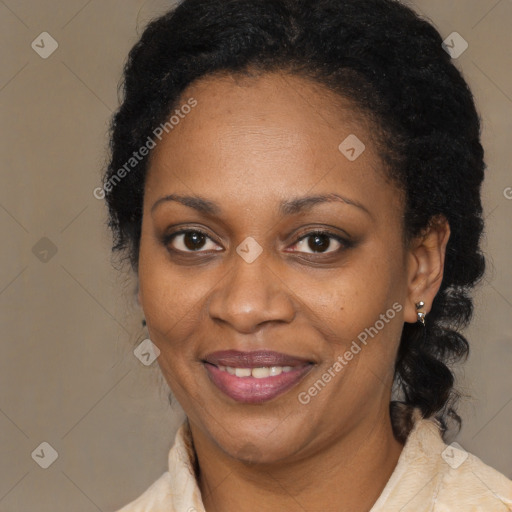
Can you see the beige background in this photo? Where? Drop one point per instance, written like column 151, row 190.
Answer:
column 68, row 375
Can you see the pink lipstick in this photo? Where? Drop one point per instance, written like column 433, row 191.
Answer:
column 255, row 377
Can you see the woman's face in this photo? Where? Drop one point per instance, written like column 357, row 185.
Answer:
column 251, row 308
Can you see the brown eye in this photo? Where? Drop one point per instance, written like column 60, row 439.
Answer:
column 191, row 241
column 319, row 243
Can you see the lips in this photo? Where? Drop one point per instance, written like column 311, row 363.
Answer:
column 237, row 359
column 255, row 377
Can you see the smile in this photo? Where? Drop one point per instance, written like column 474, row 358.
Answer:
column 255, row 377
column 258, row 373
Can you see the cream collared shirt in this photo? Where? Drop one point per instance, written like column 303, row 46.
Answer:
column 429, row 477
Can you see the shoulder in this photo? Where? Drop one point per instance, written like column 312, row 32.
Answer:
column 156, row 498
column 176, row 490
column 469, row 481
column 437, row 477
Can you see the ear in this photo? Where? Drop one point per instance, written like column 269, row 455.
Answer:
column 425, row 263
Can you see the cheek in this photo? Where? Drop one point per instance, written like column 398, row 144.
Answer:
column 353, row 297
column 358, row 311
column 169, row 300
column 171, row 307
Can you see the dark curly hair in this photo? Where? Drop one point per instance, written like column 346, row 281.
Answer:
column 391, row 64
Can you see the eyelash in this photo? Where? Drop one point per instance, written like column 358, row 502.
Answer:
column 345, row 243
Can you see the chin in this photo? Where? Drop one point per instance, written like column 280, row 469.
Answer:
column 261, row 444
column 260, row 453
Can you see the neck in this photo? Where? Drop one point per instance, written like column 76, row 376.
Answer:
column 349, row 475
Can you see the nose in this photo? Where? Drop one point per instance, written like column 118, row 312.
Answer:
column 251, row 295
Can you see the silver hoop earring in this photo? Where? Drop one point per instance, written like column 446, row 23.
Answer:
column 420, row 313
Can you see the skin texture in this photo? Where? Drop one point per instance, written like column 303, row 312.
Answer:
column 250, row 144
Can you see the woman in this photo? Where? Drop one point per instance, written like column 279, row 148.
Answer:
column 297, row 187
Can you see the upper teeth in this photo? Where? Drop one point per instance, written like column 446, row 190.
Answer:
column 258, row 373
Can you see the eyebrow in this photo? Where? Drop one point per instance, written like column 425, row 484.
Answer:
column 303, row 204
column 196, row 202
column 290, row 207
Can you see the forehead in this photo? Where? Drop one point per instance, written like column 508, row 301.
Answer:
column 270, row 133
column 275, row 109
